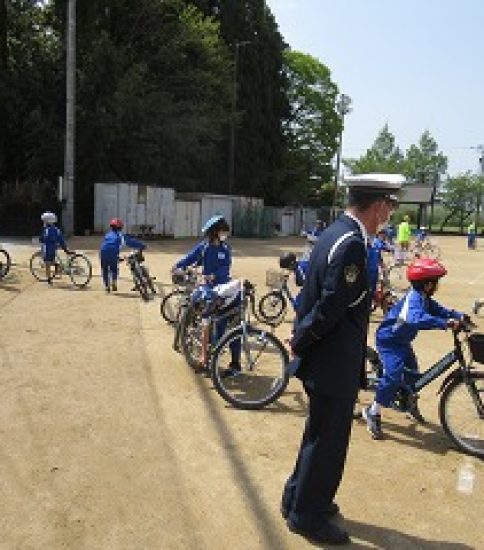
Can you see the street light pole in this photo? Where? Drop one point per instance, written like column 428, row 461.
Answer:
column 68, row 208
column 343, row 106
column 238, row 45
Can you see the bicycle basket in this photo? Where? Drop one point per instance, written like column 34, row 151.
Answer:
column 275, row 279
column 476, row 346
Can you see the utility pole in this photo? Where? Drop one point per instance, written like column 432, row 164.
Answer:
column 238, row 45
column 69, row 152
column 480, row 150
column 343, row 106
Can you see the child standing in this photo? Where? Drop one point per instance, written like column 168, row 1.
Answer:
column 214, row 255
column 109, row 253
column 414, row 312
column 51, row 238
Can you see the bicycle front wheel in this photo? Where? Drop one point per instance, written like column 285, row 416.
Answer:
column 170, row 306
column 397, row 278
column 263, row 360
column 461, row 413
column 37, row 267
column 5, row 263
column 272, row 308
column 80, row 270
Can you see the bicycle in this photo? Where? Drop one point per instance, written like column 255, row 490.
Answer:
column 425, row 247
column 76, row 265
column 5, row 263
column 461, row 404
column 263, row 357
column 273, row 305
column 143, row 282
column 385, row 296
column 185, row 282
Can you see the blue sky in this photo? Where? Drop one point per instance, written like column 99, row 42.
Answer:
column 416, row 64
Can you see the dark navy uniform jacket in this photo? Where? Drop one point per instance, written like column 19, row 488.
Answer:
column 330, row 332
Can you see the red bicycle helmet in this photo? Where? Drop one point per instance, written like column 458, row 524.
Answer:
column 117, row 223
column 425, row 269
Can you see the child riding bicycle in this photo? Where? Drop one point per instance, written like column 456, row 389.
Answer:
column 52, row 239
column 214, row 255
column 299, row 268
column 112, row 243
column 414, row 312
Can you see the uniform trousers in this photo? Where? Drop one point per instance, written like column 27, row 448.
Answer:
column 319, row 467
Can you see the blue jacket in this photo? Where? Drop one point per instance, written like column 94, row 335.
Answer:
column 215, row 260
column 414, row 312
column 52, row 238
column 112, row 243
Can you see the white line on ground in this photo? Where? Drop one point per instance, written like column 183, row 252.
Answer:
column 474, row 281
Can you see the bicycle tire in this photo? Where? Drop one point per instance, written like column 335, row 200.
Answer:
column 140, row 283
column 276, row 388
column 191, row 330
column 168, row 310
column 148, row 278
column 84, row 272
column 397, row 278
column 179, row 324
column 37, row 267
column 465, row 444
column 5, row 263
column 272, row 308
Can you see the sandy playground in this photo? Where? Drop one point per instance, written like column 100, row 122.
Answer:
column 109, row 441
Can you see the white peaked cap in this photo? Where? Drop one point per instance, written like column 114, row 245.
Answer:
column 375, row 182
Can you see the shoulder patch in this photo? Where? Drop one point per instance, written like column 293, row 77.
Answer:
column 351, row 273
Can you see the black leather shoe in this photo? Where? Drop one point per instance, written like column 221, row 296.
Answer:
column 327, row 533
column 330, row 511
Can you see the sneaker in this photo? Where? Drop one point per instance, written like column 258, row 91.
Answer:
column 49, row 281
column 476, row 307
column 107, row 289
column 327, row 533
column 114, row 286
column 373, row 423
column 234, row 370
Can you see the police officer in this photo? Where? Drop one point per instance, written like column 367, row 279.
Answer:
column 329, row 344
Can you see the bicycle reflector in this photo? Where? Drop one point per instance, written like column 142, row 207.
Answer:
column 476, row 347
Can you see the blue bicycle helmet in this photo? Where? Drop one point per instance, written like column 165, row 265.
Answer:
column 214, row 220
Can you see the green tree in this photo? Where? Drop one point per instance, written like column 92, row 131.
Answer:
column 423, row 162
column 383, row 156
column 262, row 103
column 462, row 196
column 313, row 127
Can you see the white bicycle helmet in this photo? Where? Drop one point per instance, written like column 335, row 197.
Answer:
column 48, row 217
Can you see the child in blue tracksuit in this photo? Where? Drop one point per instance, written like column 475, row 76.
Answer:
column 299, row 268
column 414, row 312
column 214, row 256
column 51, row 239
column 375, row 259
column 109, row 253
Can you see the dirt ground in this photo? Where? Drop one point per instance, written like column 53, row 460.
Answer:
column 109, row 441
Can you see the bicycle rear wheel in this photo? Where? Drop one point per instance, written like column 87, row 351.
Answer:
column 170, row 305
column 263, row 360
column 5, row 263
column 273, row 308
column 80, row 270
column 461, row 413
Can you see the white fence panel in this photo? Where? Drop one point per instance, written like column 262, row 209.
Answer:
column 212, row 204
column 187, row 219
